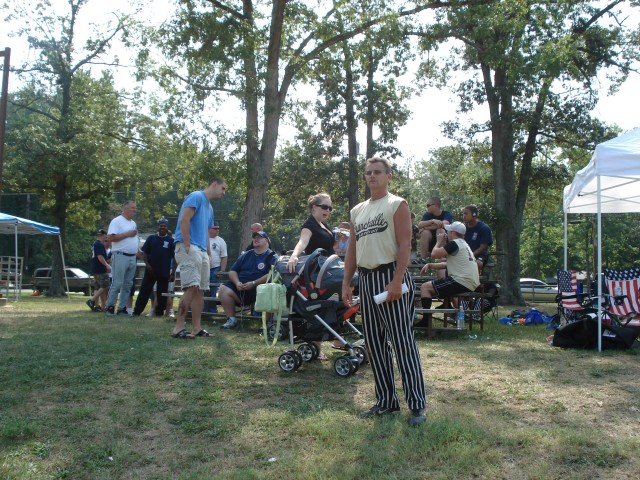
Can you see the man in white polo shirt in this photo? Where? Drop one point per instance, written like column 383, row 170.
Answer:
column 123, row 235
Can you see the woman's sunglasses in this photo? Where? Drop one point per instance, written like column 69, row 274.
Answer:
column 324, row 207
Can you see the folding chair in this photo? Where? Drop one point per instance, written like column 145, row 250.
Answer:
column 571, row 303
column 623, row 295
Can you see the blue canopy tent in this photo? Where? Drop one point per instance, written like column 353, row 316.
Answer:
column 12, row 225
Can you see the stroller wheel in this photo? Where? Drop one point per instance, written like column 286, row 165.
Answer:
column 344, row 366
column 361, row 353
column 271, row 331
column 288, row 362
column 307, row 352
column 355, row 361
column 298, row 358
column 316, row 350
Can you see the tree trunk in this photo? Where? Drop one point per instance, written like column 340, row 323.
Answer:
column 352, row 124
column 260, row 160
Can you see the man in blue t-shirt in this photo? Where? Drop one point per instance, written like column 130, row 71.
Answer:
column 478, row 235
column 100, row 269
column 193, row 254
column 248, row 271
column 433, row 220
column 157, row 253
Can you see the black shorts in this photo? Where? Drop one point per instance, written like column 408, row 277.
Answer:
column 448, row 287
column 247, row 297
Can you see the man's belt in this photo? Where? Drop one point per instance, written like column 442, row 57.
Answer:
column 379, row 268
column 125, row 254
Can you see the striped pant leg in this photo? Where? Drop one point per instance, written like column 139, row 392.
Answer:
column 399, row 324
column 391, row 330
column 377, row 341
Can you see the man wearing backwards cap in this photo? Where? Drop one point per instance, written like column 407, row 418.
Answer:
column 249, row 271
column 462, row 272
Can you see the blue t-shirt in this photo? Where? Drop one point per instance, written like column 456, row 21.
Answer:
column 200, row 222
column 478, row 235
column 98, row 249
column 444, row 216
column 250, row 266
column 159, row 252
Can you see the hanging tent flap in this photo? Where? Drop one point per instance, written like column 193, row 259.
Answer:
column 9, row 223
column 617, row 163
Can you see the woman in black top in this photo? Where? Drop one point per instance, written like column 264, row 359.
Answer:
column 314, row 234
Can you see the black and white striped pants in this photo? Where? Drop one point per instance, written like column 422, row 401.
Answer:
column 388, row 328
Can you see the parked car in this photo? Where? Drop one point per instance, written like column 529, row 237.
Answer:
column 536, row 290
column 79, row 280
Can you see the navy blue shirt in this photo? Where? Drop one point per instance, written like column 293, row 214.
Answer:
column 478, row 235
column 98, row 249
column 159, row 252
column 444, row 216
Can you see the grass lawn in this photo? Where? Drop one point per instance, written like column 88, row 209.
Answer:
column 84, row 396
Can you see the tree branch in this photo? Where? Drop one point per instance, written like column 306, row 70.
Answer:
column 34, row 110
column 230, row 11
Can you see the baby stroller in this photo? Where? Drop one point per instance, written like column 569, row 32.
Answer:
column 316, row 313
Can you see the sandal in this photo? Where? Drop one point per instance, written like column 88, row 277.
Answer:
column 203, row 333
column 342, row 347
column 322, row 357
column 184, row 334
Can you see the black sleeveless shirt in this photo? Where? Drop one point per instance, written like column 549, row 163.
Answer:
column 320, row 237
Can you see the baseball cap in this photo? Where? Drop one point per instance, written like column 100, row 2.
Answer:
column 261, row 233
column 102, row 231
column 163, row 221
column 457, row 227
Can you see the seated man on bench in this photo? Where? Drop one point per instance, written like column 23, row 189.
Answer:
column 248, row 271
column 462, row 271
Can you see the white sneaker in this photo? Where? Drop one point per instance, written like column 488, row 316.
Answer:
column 231, row 323
column 171, row 314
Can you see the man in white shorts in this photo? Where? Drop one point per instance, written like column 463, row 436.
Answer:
column 193, row 254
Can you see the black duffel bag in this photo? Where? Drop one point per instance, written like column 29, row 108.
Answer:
column 583, row 333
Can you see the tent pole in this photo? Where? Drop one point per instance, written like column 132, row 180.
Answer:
column 64, row 267
column 16, row 288
column 565, row 240
column 599, row 277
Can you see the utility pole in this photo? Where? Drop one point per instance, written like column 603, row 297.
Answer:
column 3, row 107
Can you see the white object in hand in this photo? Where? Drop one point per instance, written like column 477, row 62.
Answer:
column 381, row 297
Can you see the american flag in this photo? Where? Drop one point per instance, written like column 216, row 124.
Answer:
column 623, row 286
column 568, row 286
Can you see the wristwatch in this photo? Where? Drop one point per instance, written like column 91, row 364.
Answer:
column 253, row 282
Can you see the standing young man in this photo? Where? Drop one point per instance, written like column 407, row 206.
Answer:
column 218, row 256
column 157, row 253
column 193, row 254
column 100, row 269
column 123, row 235
column 379, row 248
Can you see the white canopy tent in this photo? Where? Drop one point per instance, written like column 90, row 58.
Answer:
column 12, row 225
column 610, row 183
